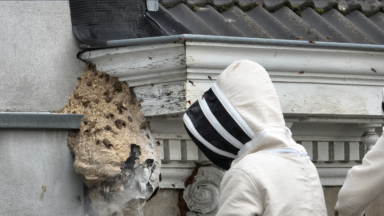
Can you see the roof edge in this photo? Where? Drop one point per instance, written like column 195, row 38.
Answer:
column 238, row 40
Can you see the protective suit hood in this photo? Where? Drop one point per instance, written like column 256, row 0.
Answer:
column 239, row 115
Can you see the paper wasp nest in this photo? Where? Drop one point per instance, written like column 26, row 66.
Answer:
column 114, row 150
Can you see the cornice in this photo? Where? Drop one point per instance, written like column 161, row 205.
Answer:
column 284, row 64
column 142, row 64
column 308, row 80
column 159, row 63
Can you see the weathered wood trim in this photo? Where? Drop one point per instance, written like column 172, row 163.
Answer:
column 314, row 99
column 141, row 64
column 162, row 99
column 284, row 63
column 333, row 82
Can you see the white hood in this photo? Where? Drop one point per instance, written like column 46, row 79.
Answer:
column 242, row 103
column 249, row 89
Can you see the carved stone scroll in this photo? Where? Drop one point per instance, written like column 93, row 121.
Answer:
column 202, row 197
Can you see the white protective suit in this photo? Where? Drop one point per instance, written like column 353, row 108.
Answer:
column 364, row 183
column 271, row 175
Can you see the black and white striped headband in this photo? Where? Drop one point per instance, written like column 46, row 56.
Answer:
column 217, row 128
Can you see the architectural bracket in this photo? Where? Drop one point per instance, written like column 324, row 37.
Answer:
column 370, row 137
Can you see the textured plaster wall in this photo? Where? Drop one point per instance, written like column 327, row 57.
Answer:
column 38, row 64
column 375, row 209
column 163, row 204
column 28, row 160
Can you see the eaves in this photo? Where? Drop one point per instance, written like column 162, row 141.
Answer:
column 348, row 77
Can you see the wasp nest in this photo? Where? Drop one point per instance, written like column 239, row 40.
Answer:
column 113, row 151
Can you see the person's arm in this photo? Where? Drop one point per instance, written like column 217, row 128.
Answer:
column 240, row 195
column 363, row 183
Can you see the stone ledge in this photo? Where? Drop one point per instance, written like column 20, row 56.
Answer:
column 39, row 120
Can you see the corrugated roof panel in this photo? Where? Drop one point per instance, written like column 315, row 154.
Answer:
column 222, row 5
column 346, row 7
column 302, row 4
column 193, row 22
column 169, row 3
column 95, row 22
column 349, row 21
column 167, row 22
column 346, row 27
column 315, row 20
column 367, row 26
column 322, row 6
column 323, row 26
column 271, row 24
column 219, row 23
column 274, row 5
column 378, row 19
column 199, row 3
column 247, row 5
column 371, row 7
column 244, row 23
column 298, row 25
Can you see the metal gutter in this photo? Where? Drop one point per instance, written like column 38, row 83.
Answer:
column 242, row 40
column 150, row 40
column 40, row 120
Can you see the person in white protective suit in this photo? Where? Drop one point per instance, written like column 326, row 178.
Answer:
column 238, row 124
column 364, row 183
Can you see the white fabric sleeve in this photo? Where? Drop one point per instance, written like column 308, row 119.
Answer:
column 363, row 183
column 240, row 195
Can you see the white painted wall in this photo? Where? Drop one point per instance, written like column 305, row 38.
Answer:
column 38, row 64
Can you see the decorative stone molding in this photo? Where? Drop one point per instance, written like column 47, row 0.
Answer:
column 333, row 156
column 334, row 89
column 161, row 73
column 143, row 64
column 370, row 137
column 334, row 119
column 202, row 196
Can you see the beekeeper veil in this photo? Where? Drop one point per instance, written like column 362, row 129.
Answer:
column 238, row 115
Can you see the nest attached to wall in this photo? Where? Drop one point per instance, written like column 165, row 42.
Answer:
column 114, row 150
